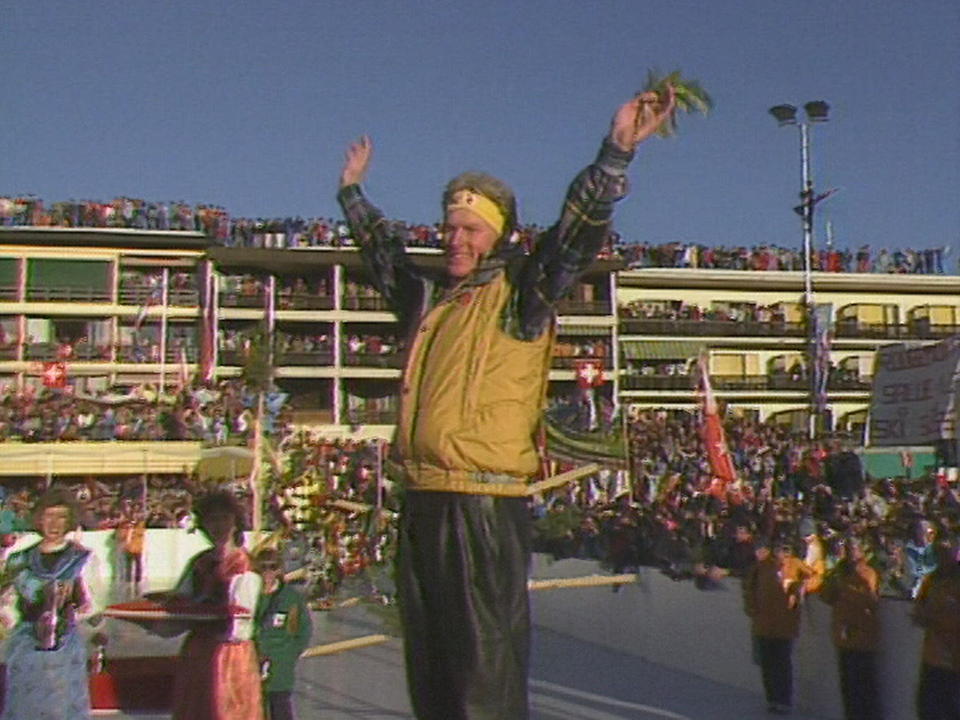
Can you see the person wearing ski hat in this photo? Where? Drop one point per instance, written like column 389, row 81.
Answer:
column 480, row 340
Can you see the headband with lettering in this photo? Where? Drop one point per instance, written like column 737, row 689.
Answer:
column 480, row 205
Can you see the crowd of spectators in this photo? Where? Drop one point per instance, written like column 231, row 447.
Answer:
column 291, row 348
column 662, row 510
column 121, row 212
column 242, row 290
column 164, row 500
column 216, row 416
column 669, row 513
column 303, row 343
column 360, row 349
column 865, row 259
column 146, row 287
column 298, row 232
column 301, row 293
column 673, row 310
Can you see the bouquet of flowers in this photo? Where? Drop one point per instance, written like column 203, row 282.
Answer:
column 691, row 97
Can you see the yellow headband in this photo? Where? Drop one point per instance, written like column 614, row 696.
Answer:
column 481, row 206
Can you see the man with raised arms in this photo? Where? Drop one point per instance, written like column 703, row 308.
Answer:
column 479, row 354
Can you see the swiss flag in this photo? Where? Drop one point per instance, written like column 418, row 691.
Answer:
column 54, row 375
column 589, row 373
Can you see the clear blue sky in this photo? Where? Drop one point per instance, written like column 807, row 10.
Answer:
column 249, row 105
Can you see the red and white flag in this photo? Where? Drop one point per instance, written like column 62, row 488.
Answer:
column 54, row 375
column 712, row 434
column 589, row 373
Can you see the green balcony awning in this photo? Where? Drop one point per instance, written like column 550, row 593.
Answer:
column 584, row 330
column 661, row 349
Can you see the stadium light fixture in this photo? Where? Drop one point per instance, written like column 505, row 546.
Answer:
column 816, row 111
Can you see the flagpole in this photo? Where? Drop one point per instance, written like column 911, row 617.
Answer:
column 380, row 442
column 214, row 323
column 625, row 430
column 165, row 298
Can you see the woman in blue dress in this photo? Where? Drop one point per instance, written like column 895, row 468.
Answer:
column 46, row 658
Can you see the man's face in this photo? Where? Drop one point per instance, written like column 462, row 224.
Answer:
column 466, row 239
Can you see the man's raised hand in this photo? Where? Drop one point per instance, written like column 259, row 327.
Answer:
column 357, row 161
column 641, row 116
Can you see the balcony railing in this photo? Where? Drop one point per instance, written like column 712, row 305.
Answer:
column 741, row 382
column 372, row 303
column 393, row 360
column 182, row 297
column 305, row 301
column 230, row 357
column 570, row 363
column 46, row 352
column 861, row 383
column 925, row 331
column 131, row 354
column 67, row 294
column 9, row 293
column 655, row 382
column 243, row 300
column 704, row 328
column 877, row 331
column 309, row 358
column 366, row 416
column 579, row 307
column 8, row 352
column 916, row 330
column 187, row 354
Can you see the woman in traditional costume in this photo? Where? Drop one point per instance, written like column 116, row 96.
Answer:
column 46, row 658
column 218, row 675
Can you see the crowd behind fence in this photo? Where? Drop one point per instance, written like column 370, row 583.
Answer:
column 298, row 232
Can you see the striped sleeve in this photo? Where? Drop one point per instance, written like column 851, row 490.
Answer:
column 564, row 252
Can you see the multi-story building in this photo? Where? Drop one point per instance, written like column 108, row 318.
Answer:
column 751, row 326
column 130, row 307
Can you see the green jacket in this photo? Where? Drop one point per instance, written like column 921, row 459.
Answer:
column 283, row 632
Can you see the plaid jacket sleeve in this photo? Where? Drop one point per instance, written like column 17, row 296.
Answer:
column 384, row 256
column 567, row 249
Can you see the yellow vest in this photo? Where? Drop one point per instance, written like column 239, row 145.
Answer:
column 472, row 397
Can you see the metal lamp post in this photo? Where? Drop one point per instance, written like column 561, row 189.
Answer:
column 816, row 111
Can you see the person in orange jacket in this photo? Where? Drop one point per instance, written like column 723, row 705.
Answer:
column 772, row 591
column 937, row 611
column 852, row 588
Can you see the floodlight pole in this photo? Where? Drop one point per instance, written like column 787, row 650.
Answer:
column 787, row 115
column 810, row 309
column 806, row 197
